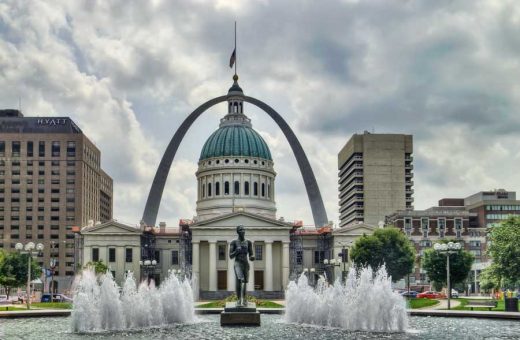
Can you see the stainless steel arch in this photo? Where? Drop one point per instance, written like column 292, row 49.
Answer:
column 313, row 192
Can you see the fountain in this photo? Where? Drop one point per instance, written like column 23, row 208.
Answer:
column 365, row 302
column 98, row 305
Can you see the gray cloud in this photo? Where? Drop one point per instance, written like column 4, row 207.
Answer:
column 129, row 73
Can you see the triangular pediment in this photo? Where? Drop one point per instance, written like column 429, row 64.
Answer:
column 241, row 218
column 355, row 230
column 111, row 227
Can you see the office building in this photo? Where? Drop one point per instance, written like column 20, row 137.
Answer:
column 50, row 181
column 375, row 177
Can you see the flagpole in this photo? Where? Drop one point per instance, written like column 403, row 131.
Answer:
column 235, row 47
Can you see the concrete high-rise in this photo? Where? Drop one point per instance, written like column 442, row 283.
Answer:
column 375, row 177
column 50, row 181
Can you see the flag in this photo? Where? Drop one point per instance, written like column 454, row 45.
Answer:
column 233, row 58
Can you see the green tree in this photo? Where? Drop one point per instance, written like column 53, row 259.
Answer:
column 434, row 263
column 504, row 249
column 388, row 246
column 489, row 279
column 13, row 270
column 99, row 266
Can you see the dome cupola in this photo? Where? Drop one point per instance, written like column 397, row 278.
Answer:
column 235, row 169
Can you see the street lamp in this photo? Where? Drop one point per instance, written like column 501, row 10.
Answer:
column 147, row 266
column 29, row 248
column 308, row 271
column 447, row 249
column 332, row 263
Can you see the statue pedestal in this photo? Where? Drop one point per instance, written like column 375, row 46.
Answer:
column 234, row 315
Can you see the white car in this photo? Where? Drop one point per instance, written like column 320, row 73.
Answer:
column 3, row 298
column 454, row 294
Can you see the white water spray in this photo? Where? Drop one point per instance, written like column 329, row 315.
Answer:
column 98, row 305
column 365, row 302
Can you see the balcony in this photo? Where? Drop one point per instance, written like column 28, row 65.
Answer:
column 347, row 186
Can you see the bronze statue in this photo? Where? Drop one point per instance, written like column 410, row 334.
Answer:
column 239, row 250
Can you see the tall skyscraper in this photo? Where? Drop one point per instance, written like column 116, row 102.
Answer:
column 375, row 177
column 50, row 181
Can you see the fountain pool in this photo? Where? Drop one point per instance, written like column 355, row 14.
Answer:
column 273, row 327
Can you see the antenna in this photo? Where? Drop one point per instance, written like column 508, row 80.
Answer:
column 236, row 47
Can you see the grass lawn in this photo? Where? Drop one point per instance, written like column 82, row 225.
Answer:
column 5, row 308
column 463, row 302
column 52, row 305
column 414, row 303
column 259, row 303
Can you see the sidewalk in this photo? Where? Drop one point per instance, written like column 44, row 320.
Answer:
column 443, row 304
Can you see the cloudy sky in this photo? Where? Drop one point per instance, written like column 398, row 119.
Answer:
column 129, row 72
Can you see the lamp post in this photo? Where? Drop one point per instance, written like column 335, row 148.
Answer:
column 308, row 271
column 29, row 248
column 447, row 249
column 332, row 263
column 344, row 255
column 147, row 265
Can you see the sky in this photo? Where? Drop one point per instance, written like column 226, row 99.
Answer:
column 129, row 72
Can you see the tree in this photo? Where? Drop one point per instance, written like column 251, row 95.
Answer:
column 99, row 266
column 434, row 263
column 13, row 270
column 388, row 246
column 505, row 250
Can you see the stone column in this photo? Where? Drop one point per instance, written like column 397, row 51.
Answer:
column 268, row 271
column 212, row 266
column 251, row 280
column 195, row 268
column 285, row 264
column 230, row 271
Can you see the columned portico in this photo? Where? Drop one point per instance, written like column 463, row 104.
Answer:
column 285, row 264
column 230, row 270
column 268, row 274
column 212, row 265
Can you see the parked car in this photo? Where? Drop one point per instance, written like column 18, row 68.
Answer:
column 48, row 297
column 454, row 294
column 412, row 293
column 431, row 295
column 4, row 299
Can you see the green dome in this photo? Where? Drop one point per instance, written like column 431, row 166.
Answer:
column 235, row 140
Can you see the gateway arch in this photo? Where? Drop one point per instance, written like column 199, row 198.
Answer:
column 313, row 192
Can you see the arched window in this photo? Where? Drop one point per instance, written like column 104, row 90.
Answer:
column 246, row 188
column 241, row 108
column 235, row 110
column 237, row 188
column 203, row 190
column 255, row 188
column 226, row 188
column 217, row 189
column 263, row 189
column 209, row 189
column 230, row 107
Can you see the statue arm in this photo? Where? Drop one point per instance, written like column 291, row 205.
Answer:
column 250, row 251
column 233, row 250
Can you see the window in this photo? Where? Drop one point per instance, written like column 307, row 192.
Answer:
column 2, row 149
column 111, row 254
column 258, row 252
column 157, row 256
column 41, row 149
column 299, row 257
column 175, row 257
column 474, row 244
column 263, row 189
column 95, row 254
column 30, row 146
column 237, row 188
column 71, row 149
column 209, row 189
column 226, row 188
column 246, row 188
column 128, row 255
column 255, row 188
column 217, row 189
column 15, row 149
column 458, row 227
column 441, row 223
column 55, row 149
column 221, row 252
column 319, row 256
column 425, row 224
